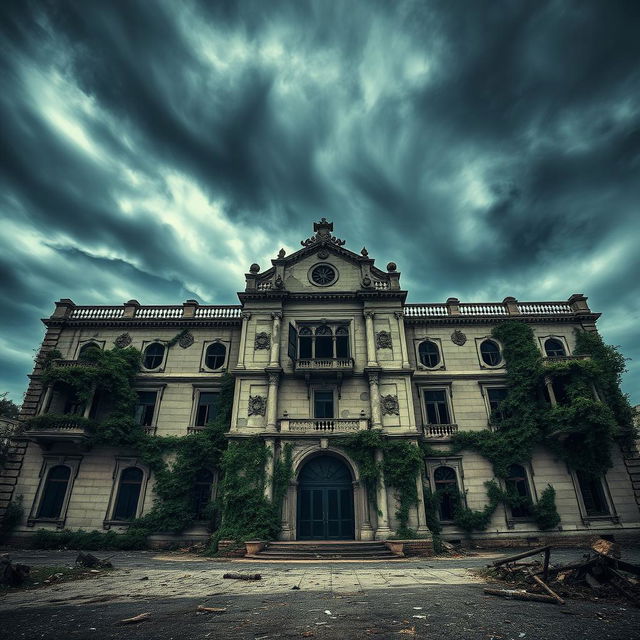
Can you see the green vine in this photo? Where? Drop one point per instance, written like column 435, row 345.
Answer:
column 401, row 465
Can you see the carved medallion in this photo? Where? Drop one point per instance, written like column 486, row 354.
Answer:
column 257, row 405
column 366, row 281
column 186, row 340
column 323, row 254
column 122, row 341
column 383, row 340
column 457, row 337
column 390, row 405
column 263, row 341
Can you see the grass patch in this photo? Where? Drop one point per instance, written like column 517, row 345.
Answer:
column 44, row 576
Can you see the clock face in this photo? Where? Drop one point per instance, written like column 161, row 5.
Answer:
column 323, row 275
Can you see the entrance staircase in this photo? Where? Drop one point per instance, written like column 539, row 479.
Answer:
column 325, row 550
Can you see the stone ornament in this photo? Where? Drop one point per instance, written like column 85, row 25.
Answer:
column 262, row 341
column 279, row 282
column 383, row 340
column 457, row 337
column 390, row 405
column 186, row 340
column 257, row 405
column 323, row 235
column 323, row 254
column 122, row 341
column 366, row 281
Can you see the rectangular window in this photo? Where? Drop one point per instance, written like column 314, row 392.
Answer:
column 495, row 397
column 593, row 497
column 207, row 408
column 145, row 407
column 323, row 404
column 436, row 405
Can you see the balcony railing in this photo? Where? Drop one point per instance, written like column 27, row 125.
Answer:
column 324, row 364
column 49, row 428
column 323, row 425
column 552, row 359
column 440, row 431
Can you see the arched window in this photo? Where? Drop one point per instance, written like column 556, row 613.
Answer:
column 153, row 355
column 85, row 350
column 518, row 486
column 324, row 342
column 215, row 355
column 202, row 492
column 490, row 352
column 446, row 484
column 306, row 343
column 128, row 494
column 55, row 490
column 429, row 353
column 554, row 348
column 342, row 342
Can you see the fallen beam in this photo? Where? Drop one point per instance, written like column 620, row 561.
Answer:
column 519, row 556
column 520, row 595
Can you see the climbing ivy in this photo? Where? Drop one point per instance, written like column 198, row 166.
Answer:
column 247, row 514
column 401, row 465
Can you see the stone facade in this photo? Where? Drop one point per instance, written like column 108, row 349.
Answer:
column 322, row 344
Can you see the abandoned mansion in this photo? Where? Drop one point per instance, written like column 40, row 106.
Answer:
column 322, row 347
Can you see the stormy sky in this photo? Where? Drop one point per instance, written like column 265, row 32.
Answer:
column 155, row 149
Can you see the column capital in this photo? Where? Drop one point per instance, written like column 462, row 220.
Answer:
column 276, row 315
column 246, row 315
column 398, row 314
column 368, row 314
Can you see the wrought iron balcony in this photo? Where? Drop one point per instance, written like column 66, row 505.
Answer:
column 323, row 425
column 320, row 365
column 440, row 432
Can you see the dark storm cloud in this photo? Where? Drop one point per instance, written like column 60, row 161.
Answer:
column 489, row 148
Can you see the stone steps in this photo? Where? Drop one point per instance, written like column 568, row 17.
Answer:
column 325, row 551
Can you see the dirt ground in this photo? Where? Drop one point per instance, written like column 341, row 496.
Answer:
column 426, row 598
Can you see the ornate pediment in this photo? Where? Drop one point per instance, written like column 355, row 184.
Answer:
column 323, row 235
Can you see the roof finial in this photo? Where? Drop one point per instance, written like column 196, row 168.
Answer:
column 323, row 235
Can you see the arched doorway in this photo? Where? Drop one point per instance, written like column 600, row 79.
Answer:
column 325, row 500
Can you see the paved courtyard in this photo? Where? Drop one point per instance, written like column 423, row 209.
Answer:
column 439, row 597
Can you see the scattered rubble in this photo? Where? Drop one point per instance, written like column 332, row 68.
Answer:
column 11, row 574
column 600, row 574
column 91, row 562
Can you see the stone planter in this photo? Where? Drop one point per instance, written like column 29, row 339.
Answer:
column 253, row 546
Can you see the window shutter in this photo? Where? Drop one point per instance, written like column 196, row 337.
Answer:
column 293, row 342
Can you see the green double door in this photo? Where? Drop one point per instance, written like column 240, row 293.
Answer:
column 325, row 501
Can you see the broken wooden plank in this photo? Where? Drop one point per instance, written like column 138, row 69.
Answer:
column 606, row 548
column 139, row 618
column 204, row 609
column 627, row 593
column 520, row 595
column 519, row 556
column 548, row 589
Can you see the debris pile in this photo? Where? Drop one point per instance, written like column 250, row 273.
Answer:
column 11, row 574
column 600, row 574
column 91, row 562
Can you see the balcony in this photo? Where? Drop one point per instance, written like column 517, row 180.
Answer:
column 323, row 425
column 323, row 365
column 49, row 428
column 552, row 359
column 439, row 432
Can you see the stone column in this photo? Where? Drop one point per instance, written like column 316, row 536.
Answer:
column 366, row 530
column 47, row 399
column 274, row 358
column 372, row 358
column 374, row 401
column 268, row 468
column 272, row 401
column 246, row 316
column 403, row 339
column 422, row 528
column 382, row 531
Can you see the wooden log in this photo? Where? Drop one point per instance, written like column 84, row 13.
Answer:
column 548, row 589
column 520, row 595
column 545, row 569
column 519, row 556
column 242, row 576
